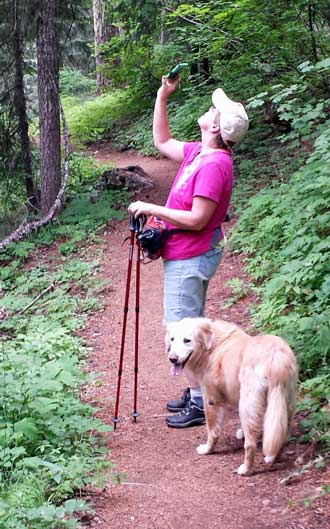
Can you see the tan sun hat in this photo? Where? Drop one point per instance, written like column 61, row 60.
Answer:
column 234, row 121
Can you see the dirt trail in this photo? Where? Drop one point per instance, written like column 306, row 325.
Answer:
column 167, row 485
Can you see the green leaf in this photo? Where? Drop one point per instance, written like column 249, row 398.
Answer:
column 72, row 506
column 323, row 65
column 305, row 66
column 27, row 427
column 67, row 378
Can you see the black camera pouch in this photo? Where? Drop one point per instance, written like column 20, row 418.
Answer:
column 151, row 241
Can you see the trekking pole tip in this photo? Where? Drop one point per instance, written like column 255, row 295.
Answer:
column 115, row 420
column 135, row 415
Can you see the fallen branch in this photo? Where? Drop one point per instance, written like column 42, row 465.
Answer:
column 138, row 483
column 101, row 518
column 308, row 466
column 50, row 288
column 26, row 228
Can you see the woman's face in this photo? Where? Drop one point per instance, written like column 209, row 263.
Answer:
column 209, row 119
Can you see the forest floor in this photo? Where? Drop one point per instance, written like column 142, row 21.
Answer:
column 167, row 485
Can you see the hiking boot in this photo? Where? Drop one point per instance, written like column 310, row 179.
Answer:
column 181, row 403
column 191, row 415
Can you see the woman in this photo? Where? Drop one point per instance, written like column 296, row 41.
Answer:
column 197, row 205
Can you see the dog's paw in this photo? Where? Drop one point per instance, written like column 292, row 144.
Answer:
column 244, row 471
column 240, row 433
column 203, row 449
column 269, row 459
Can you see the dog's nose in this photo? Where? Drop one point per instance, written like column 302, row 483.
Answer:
column 173, row 359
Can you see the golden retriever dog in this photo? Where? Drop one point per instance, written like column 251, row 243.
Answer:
column 257, row 373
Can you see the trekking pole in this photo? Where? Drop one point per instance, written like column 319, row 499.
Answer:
column 123, row 333
column 135, row 413
column 135, row 227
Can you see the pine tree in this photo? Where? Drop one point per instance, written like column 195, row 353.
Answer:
column 49, row 109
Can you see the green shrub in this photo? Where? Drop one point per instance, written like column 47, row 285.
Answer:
column 183, row 115
column 285, row 229
column 47, row 448
column 286, row 232
column 50, row 442
column 316, row 401
column 85, row 173
column 92, row 120
column 74, row 83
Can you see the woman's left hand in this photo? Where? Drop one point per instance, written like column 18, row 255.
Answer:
column 140, row 208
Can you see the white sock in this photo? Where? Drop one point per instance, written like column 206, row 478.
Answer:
column 196, row 396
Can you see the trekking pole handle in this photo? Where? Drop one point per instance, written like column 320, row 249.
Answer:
column 136, row 224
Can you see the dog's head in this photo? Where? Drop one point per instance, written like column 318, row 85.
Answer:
column 187, row 338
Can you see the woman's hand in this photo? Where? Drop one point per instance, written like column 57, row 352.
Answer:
column 168, row 86
column 140, row 208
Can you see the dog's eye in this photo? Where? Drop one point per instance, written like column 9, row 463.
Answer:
column 186, row 340
column 172, row 338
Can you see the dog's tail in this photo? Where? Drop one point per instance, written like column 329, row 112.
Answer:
column 276, row 422
column 282, row 378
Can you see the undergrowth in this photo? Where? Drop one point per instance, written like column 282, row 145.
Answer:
column 85, row 175
column 93, row 119
column 284, row 229
column 126, row 121
column 51, row 444
column 183, row 113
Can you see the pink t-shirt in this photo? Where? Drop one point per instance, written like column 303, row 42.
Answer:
column 210, row 176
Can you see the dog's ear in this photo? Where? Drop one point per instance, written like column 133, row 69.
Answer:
column 207, row 334
column 167, row 339
column 167, row 342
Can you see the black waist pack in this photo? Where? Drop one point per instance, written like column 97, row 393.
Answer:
column 151, row 241
column 153, row 238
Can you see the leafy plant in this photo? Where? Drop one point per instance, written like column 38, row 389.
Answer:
column 316, row 401
column 50, row 442
column 284, row 230
column 84, row 174
column 239, row 290
column 92, row 119
column 74, row 83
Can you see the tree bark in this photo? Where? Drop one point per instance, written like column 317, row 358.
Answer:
column 49, row 106
column 20, row 107
column 311, row 20
column 99, row 39
column 25, row 229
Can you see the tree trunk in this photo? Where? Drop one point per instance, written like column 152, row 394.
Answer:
column 99, row 38
column 162, row 27
column 20, row 107
column 49, row 108
column 311, row 20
